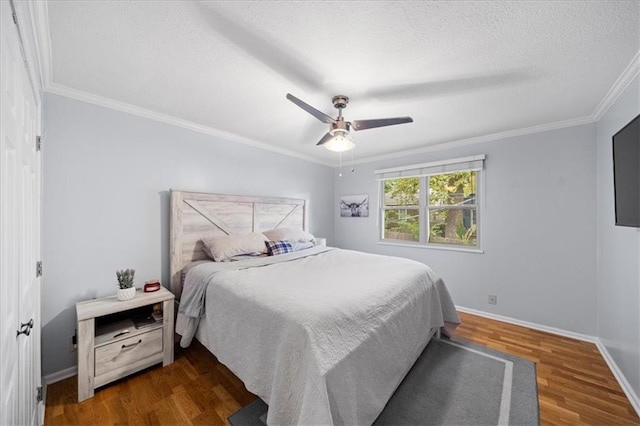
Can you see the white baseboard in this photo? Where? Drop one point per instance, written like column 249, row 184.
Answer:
column 53, row 378
column 535, row 326
column 617, row 373
column 60, row 375
column 622, row 380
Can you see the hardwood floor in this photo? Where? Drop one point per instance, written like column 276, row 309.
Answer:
column 575, row 385
column 196, row 389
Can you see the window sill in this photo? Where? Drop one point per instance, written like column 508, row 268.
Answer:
column 432, row 246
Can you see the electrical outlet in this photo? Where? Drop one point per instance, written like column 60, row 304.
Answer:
column 493, row 299
column 73, row 342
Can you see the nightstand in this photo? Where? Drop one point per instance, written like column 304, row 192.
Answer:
column 114, row 341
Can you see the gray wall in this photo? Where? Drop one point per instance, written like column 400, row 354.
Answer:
column 538, row 228
column 106, row 178
column 618, row 251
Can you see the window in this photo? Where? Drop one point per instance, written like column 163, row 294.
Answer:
column 434, row 204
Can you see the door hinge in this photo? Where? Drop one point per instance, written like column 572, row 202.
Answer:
column 39, row 396
column 38, row 143
column 39, row 268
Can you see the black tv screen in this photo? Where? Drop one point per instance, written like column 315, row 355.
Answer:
column 626, row 174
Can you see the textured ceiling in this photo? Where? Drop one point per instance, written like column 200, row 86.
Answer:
column 460, row 69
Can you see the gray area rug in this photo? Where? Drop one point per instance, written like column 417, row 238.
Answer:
column 453, row 382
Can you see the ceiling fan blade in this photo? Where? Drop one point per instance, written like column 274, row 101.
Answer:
column 379, row 122
column 325, row 139
column 311, row 110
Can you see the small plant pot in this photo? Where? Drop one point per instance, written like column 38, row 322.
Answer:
column 126, row 293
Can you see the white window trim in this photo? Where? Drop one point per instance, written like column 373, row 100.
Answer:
column 472, row 163
column 398, row 243
column 475, row 163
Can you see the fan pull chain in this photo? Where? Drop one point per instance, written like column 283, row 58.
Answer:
column 340, row 172
column 352, row 162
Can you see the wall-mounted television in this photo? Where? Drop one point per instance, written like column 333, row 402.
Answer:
column 626, row 174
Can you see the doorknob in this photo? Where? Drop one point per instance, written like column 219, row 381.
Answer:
column 25, row 328
column 26, row 331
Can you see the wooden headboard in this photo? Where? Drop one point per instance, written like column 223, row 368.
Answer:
column 195, row 215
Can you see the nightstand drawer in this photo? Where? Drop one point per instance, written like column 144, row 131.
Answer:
column 127, row 351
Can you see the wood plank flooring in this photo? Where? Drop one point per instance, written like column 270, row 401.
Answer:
column 575, row 385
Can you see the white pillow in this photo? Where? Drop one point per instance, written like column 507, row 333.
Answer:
column 291, row 235
column 223, row 247
column 301, row 246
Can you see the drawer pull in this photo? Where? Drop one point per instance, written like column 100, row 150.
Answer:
column 122, row 333
column 132, row 345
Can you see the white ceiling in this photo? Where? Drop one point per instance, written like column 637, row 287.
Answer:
column 461, row 69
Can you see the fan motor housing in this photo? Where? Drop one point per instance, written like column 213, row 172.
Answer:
column 340, row 101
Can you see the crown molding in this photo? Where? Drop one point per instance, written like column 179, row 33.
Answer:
column 40, row 18
column 480, row 139
column 627, row 76
column 91, row 98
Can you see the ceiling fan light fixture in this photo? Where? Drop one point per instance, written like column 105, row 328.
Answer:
column 340, row 142
column 338, row 139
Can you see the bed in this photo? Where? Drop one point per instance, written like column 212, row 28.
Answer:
column 322, row 335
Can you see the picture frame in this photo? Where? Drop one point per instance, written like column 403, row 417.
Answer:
column 354, row 205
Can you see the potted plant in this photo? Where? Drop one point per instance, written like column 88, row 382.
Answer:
column 126, row 289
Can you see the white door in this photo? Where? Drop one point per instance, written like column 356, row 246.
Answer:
column 19, row 233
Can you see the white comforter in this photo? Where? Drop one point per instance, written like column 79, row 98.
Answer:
column 323, row 337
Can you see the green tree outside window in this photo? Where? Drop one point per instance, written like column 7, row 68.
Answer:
column 450, row 208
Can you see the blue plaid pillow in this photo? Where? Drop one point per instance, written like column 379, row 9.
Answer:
column 278, row 247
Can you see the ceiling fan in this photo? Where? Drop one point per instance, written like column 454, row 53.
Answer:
column 336, row 138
